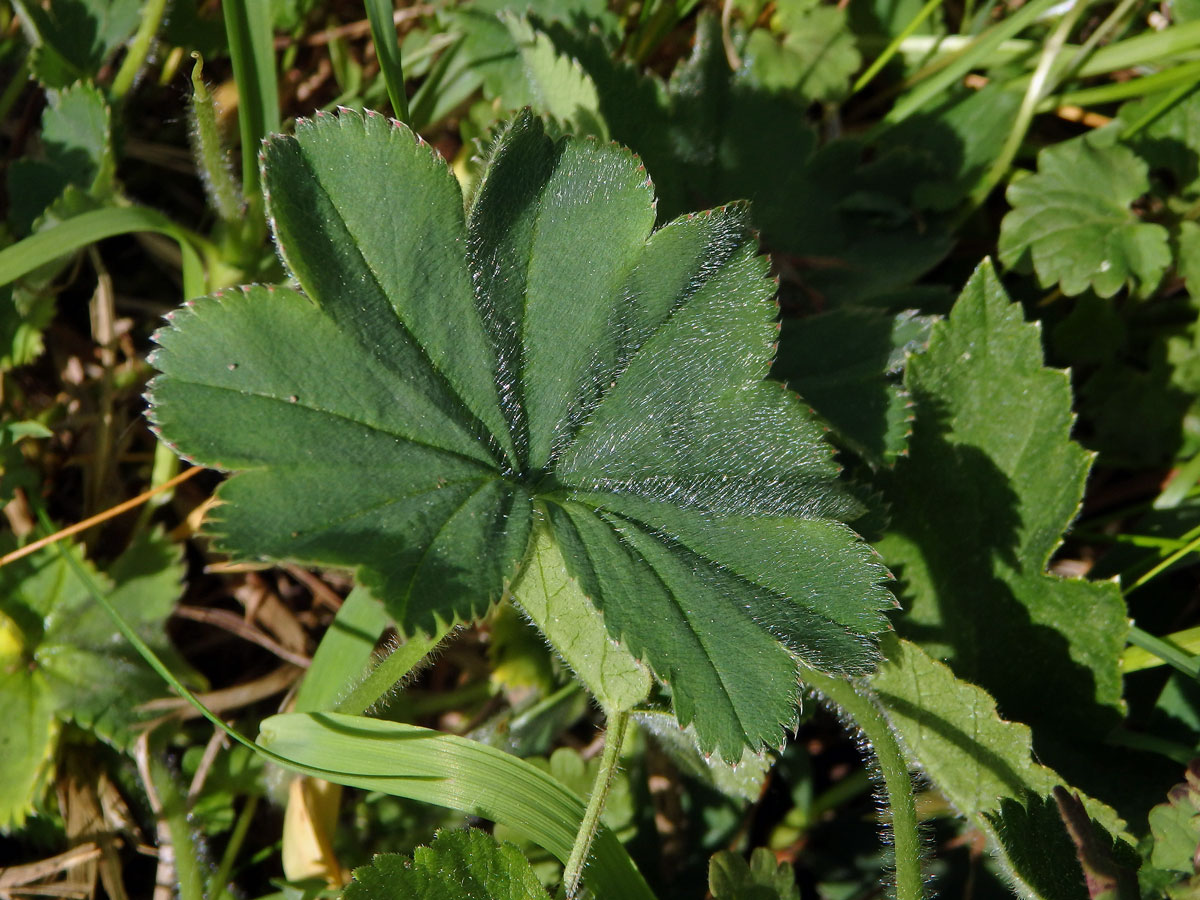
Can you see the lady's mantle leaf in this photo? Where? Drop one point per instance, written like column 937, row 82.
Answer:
column 575, row 628
column 458, row 865
column 1073, row 221
column 991, row 482
column 451, row 378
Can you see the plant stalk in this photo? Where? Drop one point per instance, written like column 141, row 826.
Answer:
column 387, row 51
column 391, row 670
column 139, row 48
column 1044, row 80
column 614, row 736
column 893, row 767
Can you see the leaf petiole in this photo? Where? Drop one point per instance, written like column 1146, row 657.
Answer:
column 618, row 723
column 392, row 669
column 897, row 783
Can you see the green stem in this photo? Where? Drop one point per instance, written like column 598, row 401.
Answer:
column 387, row 51
column 15, row 86
column 614, row 736
column 892, row 766
column 1193, row 543
column 139, row 48
column 151, row 658
column 1042, row 83
column 220, row 878
column 164, row 468
column 251, row 50
column 1185, row 74
column 1101, row 34
column 894, row 47
column 1180, row 485
column 948, row 74
column 1174, row 96
column 1136, row 658
column 1168, row 653
column 174, row 813
column 211, row 157
column 391, row 670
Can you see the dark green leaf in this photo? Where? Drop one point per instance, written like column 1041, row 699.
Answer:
column 843, row 362
column 731, row 878
column 982, row 763
column 445, row 378
column 1169, row 142
column 808, row 52
column 76, row 150
column 458, row 865
column 75, row 37
column 959, row 140
column 712, row 135
column 991, row 482
column 1175, row 826
column 58, row 661
column 552, row 83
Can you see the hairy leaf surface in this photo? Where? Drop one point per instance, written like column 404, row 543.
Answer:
column 448, row 379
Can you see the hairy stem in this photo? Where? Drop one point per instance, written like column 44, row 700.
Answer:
column 894, row 769
column 391, row 670
column 211, row 158
column 613, row 738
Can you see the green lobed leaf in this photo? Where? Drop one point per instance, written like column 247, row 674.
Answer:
column 1175, row 826
column 458, row 865
column 959, row 138
column 73, row 38
column 711, row 135
column 24, row 315
column 809, row 51
column 730, row 877
column 1073, row 221
column 28, row 737
column 991, row 481
column 1171, row 140
column 76, row 150
column 552, row 83
column 444, row 382
column 15, row 470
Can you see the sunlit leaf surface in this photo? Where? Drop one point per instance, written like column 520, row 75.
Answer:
column 448, row 379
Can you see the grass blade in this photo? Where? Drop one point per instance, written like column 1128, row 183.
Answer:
column 75, row 233
column 248, row 27
column 387, row 50
column 454, row 772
